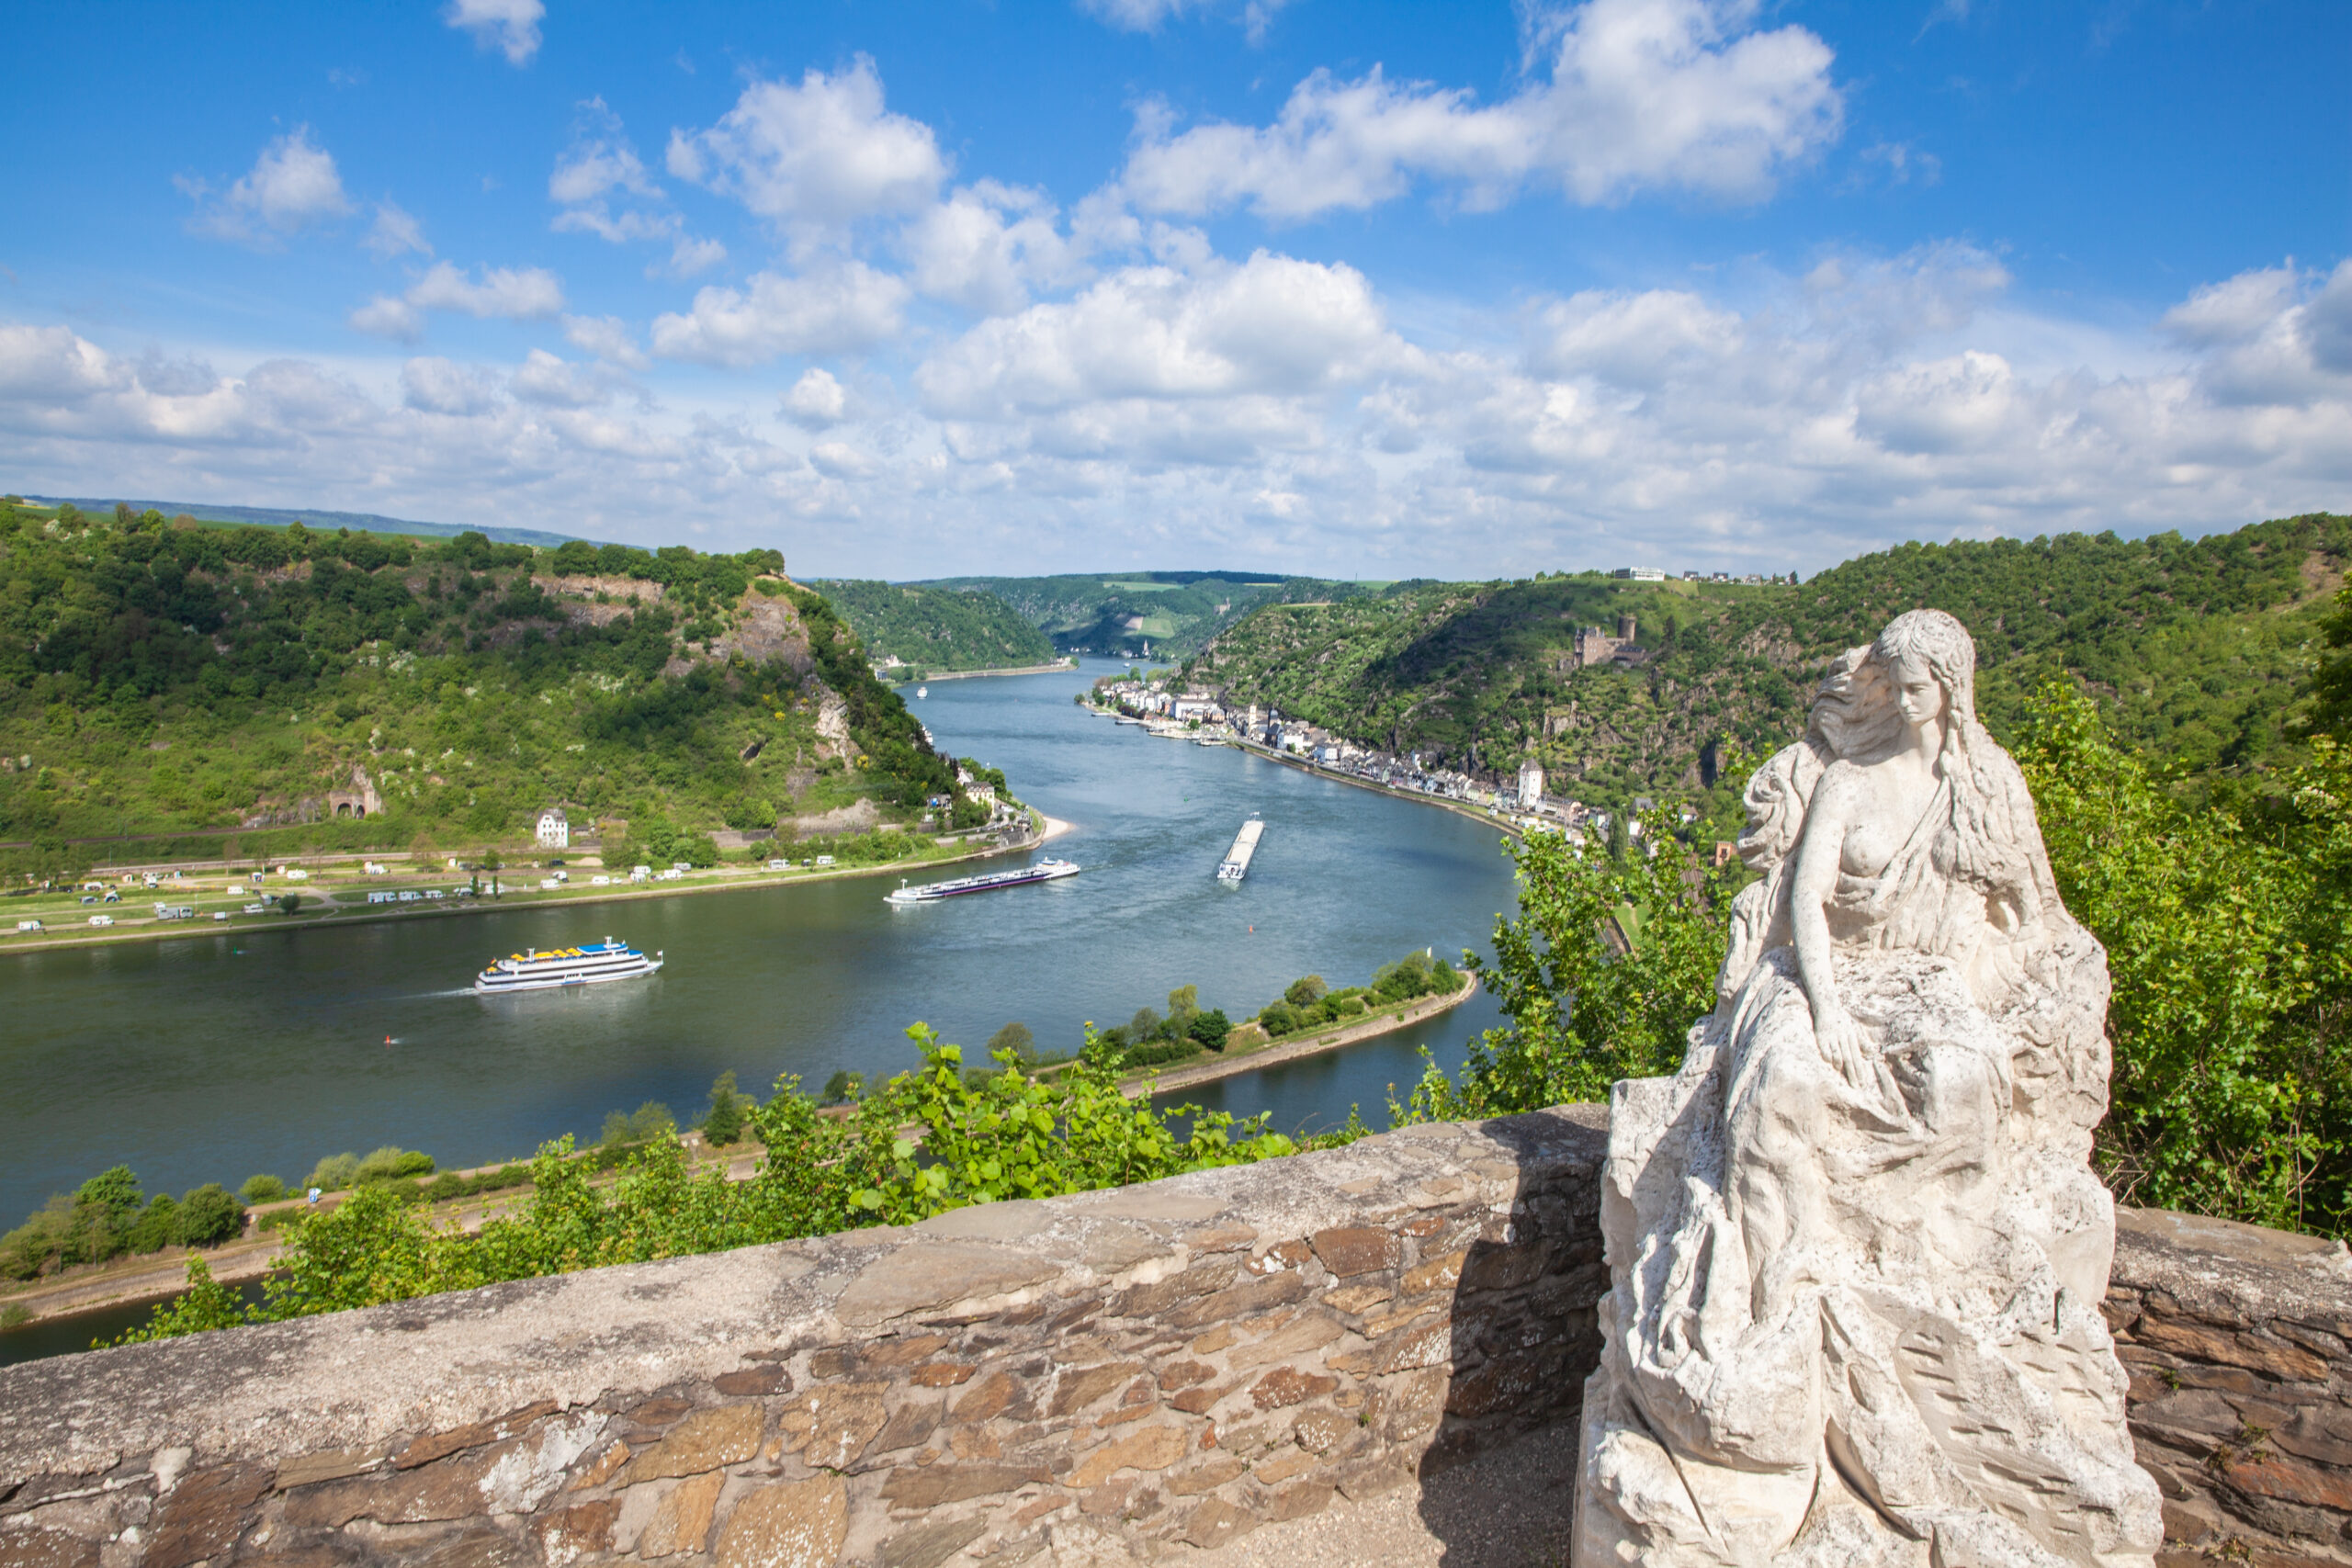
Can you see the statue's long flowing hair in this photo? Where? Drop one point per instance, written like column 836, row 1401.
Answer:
column 1856, row 718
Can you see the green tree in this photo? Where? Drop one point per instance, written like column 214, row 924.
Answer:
column 2232, row 1082
column 723, row 1123
column 1305, row 991
column 208, row 1215
column 1210, row 1029
column 1584, row 1013
column 333, row 1173
column 156, row 1227
column 1015, row 1038
column 262, row 1189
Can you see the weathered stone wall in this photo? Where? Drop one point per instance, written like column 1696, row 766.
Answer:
column 1139, row 1373
column 2236, row 1340
column 1118, row 1374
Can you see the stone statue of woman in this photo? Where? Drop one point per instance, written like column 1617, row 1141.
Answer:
column 1857, row 1251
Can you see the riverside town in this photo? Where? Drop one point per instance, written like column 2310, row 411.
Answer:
column 1558, row 784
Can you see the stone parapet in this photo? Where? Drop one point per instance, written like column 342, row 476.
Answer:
column 1112, row 1375
column 1131, row 1375
column 2241, row 1404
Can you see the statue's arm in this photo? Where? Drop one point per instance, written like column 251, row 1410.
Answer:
column 1819, row 851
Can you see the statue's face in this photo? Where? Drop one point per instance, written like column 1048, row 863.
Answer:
column 1918, row 693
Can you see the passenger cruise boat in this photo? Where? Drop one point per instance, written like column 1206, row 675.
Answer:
column 535, row 970
column 988, row 882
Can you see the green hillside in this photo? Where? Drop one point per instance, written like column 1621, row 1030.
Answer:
column 2199, row 650
column 238, row 687
column 1117, row 612
column 938, row 628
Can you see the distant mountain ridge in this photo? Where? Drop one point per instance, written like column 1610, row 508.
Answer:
column 2202, row 651
column 929, row 629
column 313, row 517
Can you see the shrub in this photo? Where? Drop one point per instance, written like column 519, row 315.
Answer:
column 208, row 1217
column 1007, row 1135
column 382, row 1165
column 262, row 1189
column 334, row 1174
column 446, row 1186
column 1211, row 1029
column 206, row 1303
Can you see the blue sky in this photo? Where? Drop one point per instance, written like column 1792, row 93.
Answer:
column 1376, row 290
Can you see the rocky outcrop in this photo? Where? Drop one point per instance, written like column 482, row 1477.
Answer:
column 857, row 817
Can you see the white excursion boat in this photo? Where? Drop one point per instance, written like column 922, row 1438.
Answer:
column 537, row 971
column 986, row 882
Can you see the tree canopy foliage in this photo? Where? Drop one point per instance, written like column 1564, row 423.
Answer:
column 2200, row 648
column 938, row 628
column 162, row 679
column 2232, row 1087
column 917, row 1145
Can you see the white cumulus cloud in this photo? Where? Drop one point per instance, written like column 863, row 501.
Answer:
column 840, row 309
column 396, row 232
column 515, row 293
column 815, row 399
column 1147, row 16
column 440, row 386
column 816, row 158
column 545, row 378
column 689, row 257
column 606, row 337
column 603, row 185
column 987, row 245
column 1270, row 413
column 1271, row 324
column 1637, row 95
column 511, row 27
column 838, row 459
column 292, row 184
column 528, row 293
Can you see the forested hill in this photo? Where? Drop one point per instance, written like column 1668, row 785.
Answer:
column 1119, row 613
column 159, row 680
column 2200, row 648
column 938, row 628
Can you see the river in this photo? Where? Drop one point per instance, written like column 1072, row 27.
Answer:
column 212, row 1058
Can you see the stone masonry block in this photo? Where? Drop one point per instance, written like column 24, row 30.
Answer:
column 1350, row 1250
column 790, row 1524
column 202, row 1515
column 705, row 1440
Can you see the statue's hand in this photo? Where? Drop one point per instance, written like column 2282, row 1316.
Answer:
column 1843, row 1044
